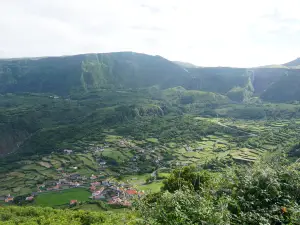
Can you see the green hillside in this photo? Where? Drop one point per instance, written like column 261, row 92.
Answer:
column 285, row 89
column 64, row 75
column 129, row 138
column 51, row 103
column 128, row 70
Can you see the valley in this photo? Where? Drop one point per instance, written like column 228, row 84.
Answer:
column 102, row 132
column 130, row 162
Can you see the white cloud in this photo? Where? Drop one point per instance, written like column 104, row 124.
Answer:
column 208, row 33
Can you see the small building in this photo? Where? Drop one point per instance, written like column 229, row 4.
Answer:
column 96, row 193
column 73, row 202
column 83, row 178
column 99, row 197
column 96, row 184
column 93, row 177
column 101, row 149
column 29, row 198
column 115, row 200
column 92, row 188
column 75, row 176
column 9, row 198
column 62, row 181
column 131, row 192
column 74, row 184
column 102, row 163
column 106, row 183
column 68, row 151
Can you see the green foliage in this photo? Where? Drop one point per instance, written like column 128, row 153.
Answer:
column 129, row 70
column 48, row 216
column 185, row 207
column 284, row 89
column 266, row 193
column 79, row 101
column 236, row 94
column 52, row 199
column 35, row 215
column 186, row 177
column 241, row 94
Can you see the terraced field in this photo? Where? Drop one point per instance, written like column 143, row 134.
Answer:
column 242, row 140
column 266, row 136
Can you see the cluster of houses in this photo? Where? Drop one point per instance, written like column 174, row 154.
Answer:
column 8, row 198
column 66, row 181
column 113, row 192
column 101, row 189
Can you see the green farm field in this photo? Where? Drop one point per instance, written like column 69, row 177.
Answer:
column 53, row 199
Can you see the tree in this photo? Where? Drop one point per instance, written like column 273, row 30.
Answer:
column 187, row 177
column 185, row 207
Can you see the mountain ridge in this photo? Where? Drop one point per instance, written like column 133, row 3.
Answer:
column 293, row 63
column 86, row 72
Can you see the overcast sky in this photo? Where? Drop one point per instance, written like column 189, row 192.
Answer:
column 239, row 33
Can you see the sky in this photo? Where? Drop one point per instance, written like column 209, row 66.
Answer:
column 236, row 33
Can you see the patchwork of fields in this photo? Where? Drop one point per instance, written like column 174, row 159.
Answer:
column 131, row 160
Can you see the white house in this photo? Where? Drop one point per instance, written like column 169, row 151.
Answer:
column 68, row 151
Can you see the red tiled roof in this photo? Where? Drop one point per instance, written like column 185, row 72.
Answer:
column 9, row 199
column 131, row 192
column 73, row 202
column 93, row 188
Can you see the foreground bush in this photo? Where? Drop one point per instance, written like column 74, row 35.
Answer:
column 267, row 193
column 48, row 216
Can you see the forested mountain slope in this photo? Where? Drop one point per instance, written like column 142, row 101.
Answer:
column 123, row 70
column 62, row 75
column 105, row 122
column 45, row 102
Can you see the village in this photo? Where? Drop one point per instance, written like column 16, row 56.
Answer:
column 101, row 187
column 91, row 170
column 108, row 190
